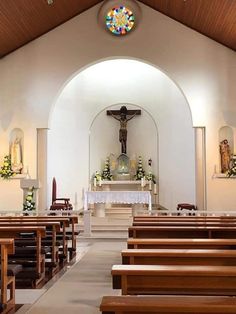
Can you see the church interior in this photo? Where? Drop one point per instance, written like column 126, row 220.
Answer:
column 117, row 156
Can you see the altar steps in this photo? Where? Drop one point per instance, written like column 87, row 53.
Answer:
column 119, row 212
column 107, row 228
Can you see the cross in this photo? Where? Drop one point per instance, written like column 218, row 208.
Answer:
column 123, row 115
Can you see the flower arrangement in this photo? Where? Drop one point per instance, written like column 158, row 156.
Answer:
column 232, row 171
column 140, row 171
column 97, row 176
column 6, row 171
column 97, row 179
column 150, row 177
column 29, row 203
column 106, row 173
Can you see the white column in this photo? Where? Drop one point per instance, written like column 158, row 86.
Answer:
column 200, row 162
column 42, row 152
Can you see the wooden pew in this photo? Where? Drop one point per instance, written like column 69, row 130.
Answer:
column 68, row 222
column 185, row 218
column 15, row 232
column 167, row 305
column 177, row 243
column 174, row 279
column 185, row 223
column 181, row 232
column 178, row 257
column 7, row 282
column 53, row 228
column 52, row 225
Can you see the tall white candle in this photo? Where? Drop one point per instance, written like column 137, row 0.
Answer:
column 150, row 185
column 155, row 189
column 94, row 182
column 100, row 182
column 142, row 183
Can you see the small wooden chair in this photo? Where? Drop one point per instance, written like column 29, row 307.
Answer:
column 187, row 206
column 59, row 203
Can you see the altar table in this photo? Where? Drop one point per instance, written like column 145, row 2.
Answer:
column 118, row 197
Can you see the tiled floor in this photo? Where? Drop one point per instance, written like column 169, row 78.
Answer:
column 78, row 288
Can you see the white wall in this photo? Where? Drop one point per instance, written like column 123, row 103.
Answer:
column 33, row 77
column 79, row 107
column 142, row 139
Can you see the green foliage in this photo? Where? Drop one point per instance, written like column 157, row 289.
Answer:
column 106, row 173
column 140, row 171
column 150, row 177
column 232, row 171
column 29, row 203
column 97, row 176
column 6, row 171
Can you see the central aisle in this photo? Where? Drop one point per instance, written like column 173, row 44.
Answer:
column 81, row 288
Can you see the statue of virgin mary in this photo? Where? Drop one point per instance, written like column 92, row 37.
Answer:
column 16, row 155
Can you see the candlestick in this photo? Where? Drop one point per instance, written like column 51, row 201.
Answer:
column 95, row 182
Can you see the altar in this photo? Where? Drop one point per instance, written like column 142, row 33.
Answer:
column 125, row 187
column 128, row 185
column 117, row 197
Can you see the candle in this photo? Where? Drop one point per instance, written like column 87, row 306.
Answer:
column 100, row 182
column 95, row 182
column 155, row 189
column 142, row 182
column 150, row 185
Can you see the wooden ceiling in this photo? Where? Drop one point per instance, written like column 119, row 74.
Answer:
column 21, row 21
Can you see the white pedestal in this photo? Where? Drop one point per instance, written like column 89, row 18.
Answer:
column 137, row 207
column 87, row 223
column 99, row 210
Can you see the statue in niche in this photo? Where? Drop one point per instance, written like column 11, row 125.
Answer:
column 225, row 156
column 16, row 153
column 121, row 116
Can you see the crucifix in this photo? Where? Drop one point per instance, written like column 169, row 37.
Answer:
column 121, row 116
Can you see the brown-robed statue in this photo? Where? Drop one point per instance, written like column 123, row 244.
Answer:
column 225, row 156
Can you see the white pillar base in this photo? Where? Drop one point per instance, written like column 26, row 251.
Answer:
column 87, row 223
column 99, row 210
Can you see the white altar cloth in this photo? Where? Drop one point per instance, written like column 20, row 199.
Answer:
column 120, row 197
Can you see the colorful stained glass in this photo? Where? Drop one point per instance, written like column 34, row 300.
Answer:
column 120, row 20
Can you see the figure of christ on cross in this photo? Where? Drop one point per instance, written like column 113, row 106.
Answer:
column 121, row 116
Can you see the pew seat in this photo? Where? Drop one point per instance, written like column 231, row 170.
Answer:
column 179, row 257
column 181, row 243
column 14, row 269
column 182, row 232
column 167, row 305
column 174, row 279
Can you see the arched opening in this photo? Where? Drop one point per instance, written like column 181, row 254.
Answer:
column 122, row 81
